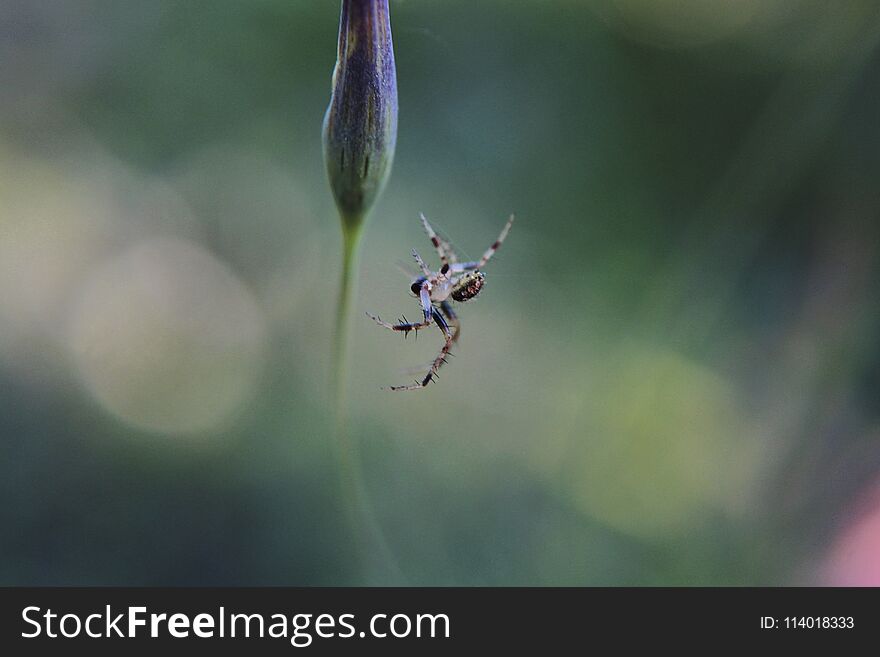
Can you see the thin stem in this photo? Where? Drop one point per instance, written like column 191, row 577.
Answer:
column 366, row 534
column 346, row 449
column 348, row 286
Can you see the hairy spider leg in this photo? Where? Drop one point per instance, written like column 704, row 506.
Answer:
column 461, row 267
column 450, row 252
column 454, row 324
column 405, row 326
column 444, row 250
column 451, row 318
column 439, row 247
column 421, row 263
column 439, row 360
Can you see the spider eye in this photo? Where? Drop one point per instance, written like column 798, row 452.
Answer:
column 416, row 287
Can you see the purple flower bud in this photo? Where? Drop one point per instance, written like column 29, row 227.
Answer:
column 360, row 128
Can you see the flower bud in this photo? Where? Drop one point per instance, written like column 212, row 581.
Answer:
column 360, row 128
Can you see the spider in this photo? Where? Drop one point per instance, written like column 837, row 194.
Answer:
column 459, row 281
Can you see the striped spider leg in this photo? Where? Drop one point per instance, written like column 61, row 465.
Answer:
column 456, row 281
column 471, row 266
column 444, row 250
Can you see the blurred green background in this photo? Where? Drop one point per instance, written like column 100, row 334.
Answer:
column 671, row 377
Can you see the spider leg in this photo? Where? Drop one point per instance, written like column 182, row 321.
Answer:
column 405, row 326
column 439, row 360
column 470, row 266
column 421, row 263
column 441, row 247
column 452, row 319
column 425, row 300
column 450, row 252
column 455, row 325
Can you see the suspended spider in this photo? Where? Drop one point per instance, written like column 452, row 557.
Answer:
column 460, row 281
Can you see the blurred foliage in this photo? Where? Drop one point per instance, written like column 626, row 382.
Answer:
column 671, row 378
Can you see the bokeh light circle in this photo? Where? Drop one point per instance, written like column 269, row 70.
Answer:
column 167, row 338
column 661, row 444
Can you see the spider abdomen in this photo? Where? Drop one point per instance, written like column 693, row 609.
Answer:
column 468, row 286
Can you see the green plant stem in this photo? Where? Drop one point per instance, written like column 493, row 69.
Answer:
column 346, row 449
column 367, row 537
column 348, row 287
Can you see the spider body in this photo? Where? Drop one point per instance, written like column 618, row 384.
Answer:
column 463, row 288
column 468, row 286
column 459, row 281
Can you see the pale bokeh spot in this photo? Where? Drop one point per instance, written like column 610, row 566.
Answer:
column 659, row 444
column 52, row 225
column 167, row 338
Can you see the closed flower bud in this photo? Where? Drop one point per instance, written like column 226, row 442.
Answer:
column 360, row 128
